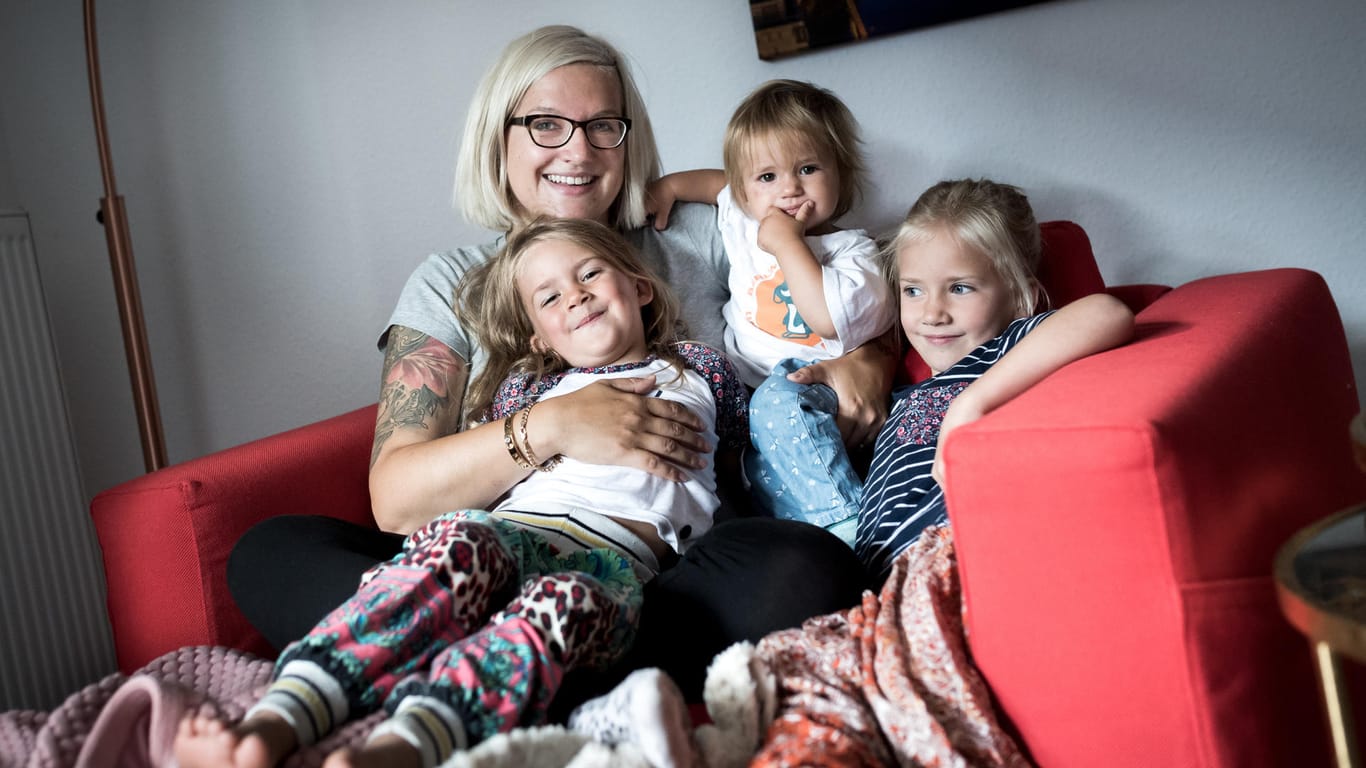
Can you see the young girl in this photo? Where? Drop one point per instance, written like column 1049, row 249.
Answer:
column 801, row 289
column 963, row 262
column 469, row 631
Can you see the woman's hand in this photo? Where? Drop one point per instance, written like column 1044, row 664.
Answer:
column 862, row 380
column 617, row 422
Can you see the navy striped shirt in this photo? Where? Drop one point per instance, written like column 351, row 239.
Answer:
column 900, row 497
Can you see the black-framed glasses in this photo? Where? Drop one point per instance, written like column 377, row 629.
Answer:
column 551, row 131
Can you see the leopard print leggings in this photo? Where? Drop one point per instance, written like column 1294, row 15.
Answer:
column 424, row 623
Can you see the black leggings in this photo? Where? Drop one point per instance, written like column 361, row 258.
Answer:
column 743, row 579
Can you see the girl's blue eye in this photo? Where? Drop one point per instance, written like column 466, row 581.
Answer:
column 961, row 288
column 807, row 170
column 911, row 291
column 766, row 177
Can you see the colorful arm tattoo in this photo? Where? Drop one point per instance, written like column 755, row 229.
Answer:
column 422, row 387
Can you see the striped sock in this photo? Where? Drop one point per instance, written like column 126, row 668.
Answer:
column 430, row 726
column 308, row 698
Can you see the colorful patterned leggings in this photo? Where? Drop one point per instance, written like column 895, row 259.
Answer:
column 423, row 628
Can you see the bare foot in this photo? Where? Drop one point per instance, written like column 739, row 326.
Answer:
column 260, row 742
column 387, row 751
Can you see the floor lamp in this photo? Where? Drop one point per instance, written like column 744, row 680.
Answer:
column 125, row 274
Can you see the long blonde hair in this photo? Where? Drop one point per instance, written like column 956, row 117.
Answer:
column 993, row 219
column 489, row 306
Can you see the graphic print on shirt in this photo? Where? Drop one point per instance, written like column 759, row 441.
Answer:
column 774, row 312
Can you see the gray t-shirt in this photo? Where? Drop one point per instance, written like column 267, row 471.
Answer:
column 688, row 256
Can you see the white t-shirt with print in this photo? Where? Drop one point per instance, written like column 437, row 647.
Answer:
column 763, row 326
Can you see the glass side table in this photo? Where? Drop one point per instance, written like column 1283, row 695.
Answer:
column 1321, row 584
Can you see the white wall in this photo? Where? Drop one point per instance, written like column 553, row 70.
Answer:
column 285, row 165
column 7, row 190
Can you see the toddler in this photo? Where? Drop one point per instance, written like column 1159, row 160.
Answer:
column 801, row 289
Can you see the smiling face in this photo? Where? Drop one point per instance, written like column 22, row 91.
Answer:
column 577, row 180
column 785, row 174
column 581, row 306
column 952, row 299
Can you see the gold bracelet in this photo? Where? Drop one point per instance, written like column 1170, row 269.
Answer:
column 525, row 445
column 511, row 444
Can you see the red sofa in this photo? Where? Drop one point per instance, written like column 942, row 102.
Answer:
column 1116, row 525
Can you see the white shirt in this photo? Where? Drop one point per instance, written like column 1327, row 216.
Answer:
column 680, row 512
column 763, row 326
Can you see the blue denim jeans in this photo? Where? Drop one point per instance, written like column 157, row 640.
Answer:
column 796, row 464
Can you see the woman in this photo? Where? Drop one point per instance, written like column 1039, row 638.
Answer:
column 558, row 128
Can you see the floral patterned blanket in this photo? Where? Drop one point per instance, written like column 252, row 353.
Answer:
column 888, row 682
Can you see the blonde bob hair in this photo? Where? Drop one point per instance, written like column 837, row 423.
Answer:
column 489, row 305
column 993, row 219
column 796, row 116
column 482, row 191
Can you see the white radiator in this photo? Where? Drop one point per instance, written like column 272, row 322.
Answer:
column 54, row 628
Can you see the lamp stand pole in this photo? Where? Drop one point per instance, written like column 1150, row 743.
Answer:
column 115, row 222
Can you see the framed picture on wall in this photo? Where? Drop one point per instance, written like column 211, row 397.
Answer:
column 786, row 27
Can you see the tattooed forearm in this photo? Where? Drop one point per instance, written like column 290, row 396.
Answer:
column 401, row 407
column 421, row 387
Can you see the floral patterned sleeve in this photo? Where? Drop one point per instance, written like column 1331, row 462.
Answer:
column 732, row 399
column 513, row 395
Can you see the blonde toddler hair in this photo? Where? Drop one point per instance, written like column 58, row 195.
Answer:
column 795, row 113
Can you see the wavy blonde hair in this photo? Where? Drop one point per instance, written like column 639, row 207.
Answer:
column 489, row 305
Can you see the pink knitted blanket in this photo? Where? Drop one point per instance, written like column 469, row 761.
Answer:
column 130, row 722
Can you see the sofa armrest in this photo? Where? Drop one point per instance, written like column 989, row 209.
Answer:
column 166, row 536
column 1138, row 296
column 1116, row 527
